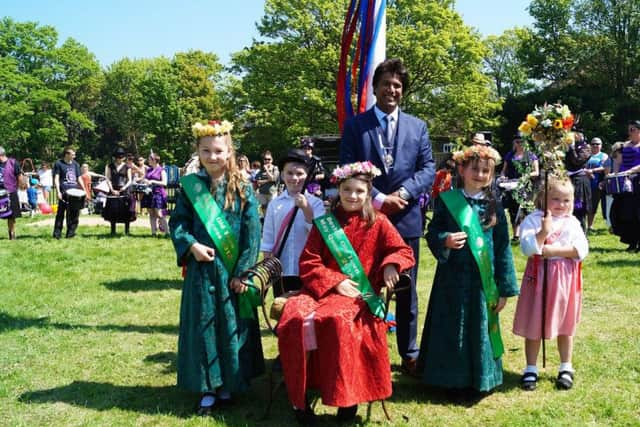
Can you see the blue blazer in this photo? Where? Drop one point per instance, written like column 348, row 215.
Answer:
column 414, row 167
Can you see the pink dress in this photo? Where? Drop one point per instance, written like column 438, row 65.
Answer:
column 564, row 281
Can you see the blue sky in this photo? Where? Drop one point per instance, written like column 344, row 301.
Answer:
column 113, row 29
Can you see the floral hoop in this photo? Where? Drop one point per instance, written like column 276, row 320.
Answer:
column 341, row 173
column 476, row 152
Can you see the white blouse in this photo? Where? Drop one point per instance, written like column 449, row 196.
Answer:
column 566, row 231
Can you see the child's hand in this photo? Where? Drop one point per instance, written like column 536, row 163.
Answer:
column 202, row 253
column 348, row 288
column 390, row 276
column 300, row 201
column 502, row 301
column 456, row 240
column 237, row 286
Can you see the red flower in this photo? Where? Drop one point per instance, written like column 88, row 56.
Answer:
column 568, row 122
column 214, row 122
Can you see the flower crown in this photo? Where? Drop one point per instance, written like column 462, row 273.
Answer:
column 211, row 128
column 341, row 173
column 476, row 152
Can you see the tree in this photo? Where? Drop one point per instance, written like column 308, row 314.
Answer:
column 551, row 51
column 46, row 92
column 150, row 104
column 503, row 64
column 611, row 29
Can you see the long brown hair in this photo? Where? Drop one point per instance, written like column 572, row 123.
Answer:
column 368, row 212
column 235, row 181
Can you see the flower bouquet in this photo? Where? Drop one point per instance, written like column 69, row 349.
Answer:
column 549, row 126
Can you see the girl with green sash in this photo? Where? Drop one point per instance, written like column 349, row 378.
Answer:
column 461, row 344
column 215, row 229
column 332, row 336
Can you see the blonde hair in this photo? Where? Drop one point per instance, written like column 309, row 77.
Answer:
column 555, row 184
column 368, row 212
column 235, row 180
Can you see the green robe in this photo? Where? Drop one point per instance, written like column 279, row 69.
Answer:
column 215, row 347
column 455, row 351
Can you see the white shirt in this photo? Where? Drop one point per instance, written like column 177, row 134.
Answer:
column 277, row 210
column 568, row 230
column 46, row 179
column 378, row 200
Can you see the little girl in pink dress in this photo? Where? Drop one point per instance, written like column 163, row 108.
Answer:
column 559, row 238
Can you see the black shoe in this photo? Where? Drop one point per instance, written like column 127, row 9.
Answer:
column 347, row 414
column 529, row 381
column 410, row 367
column 564, row 380
column 631, row 248
column 305, row 417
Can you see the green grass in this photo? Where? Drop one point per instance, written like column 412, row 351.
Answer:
column 88, row 333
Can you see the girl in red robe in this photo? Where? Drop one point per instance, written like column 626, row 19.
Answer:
column 328, row 338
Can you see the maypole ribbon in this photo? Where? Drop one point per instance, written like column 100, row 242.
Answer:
column 359, row 59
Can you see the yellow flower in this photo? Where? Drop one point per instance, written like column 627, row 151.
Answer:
column 531, row 119
column 525, row 128
column 557, row 124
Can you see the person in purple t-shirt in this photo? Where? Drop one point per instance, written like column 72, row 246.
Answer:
column 625, row 210
column 10, row 175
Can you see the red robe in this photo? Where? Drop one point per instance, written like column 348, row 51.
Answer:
column 351, row 364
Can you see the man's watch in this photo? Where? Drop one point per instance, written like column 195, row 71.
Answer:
column 404, row 194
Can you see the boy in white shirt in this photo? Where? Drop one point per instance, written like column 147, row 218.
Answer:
column 294, row 171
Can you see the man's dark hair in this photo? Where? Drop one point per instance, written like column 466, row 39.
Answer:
column 393, row 66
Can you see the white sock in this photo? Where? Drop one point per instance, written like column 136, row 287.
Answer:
column 533, row 369
column 565, row 366
column 207, row 400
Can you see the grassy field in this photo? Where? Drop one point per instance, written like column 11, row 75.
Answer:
column 88, row 333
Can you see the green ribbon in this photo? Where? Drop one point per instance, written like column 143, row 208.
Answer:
column 222, row 235
column 347, row 258
column 469, row 223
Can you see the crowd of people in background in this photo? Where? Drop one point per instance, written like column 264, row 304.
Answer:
column 69, row 189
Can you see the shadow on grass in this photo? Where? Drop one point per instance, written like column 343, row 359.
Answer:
column 150, row 400
column 11, row 323
column 604, row 250
column 409, row 389
column 616, row 263
column 167, row 358
column 139, row 285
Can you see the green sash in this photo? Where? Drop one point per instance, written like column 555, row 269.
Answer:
column 220, row 232
column 470, row 224
column 347, row 258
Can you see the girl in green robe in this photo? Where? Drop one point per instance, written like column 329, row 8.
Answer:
column 218, row 351
column 456, row 350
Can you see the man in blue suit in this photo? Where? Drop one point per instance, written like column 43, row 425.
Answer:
column 398, row 144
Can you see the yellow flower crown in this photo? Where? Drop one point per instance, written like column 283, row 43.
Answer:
column 476, row 152
column 211, row 128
